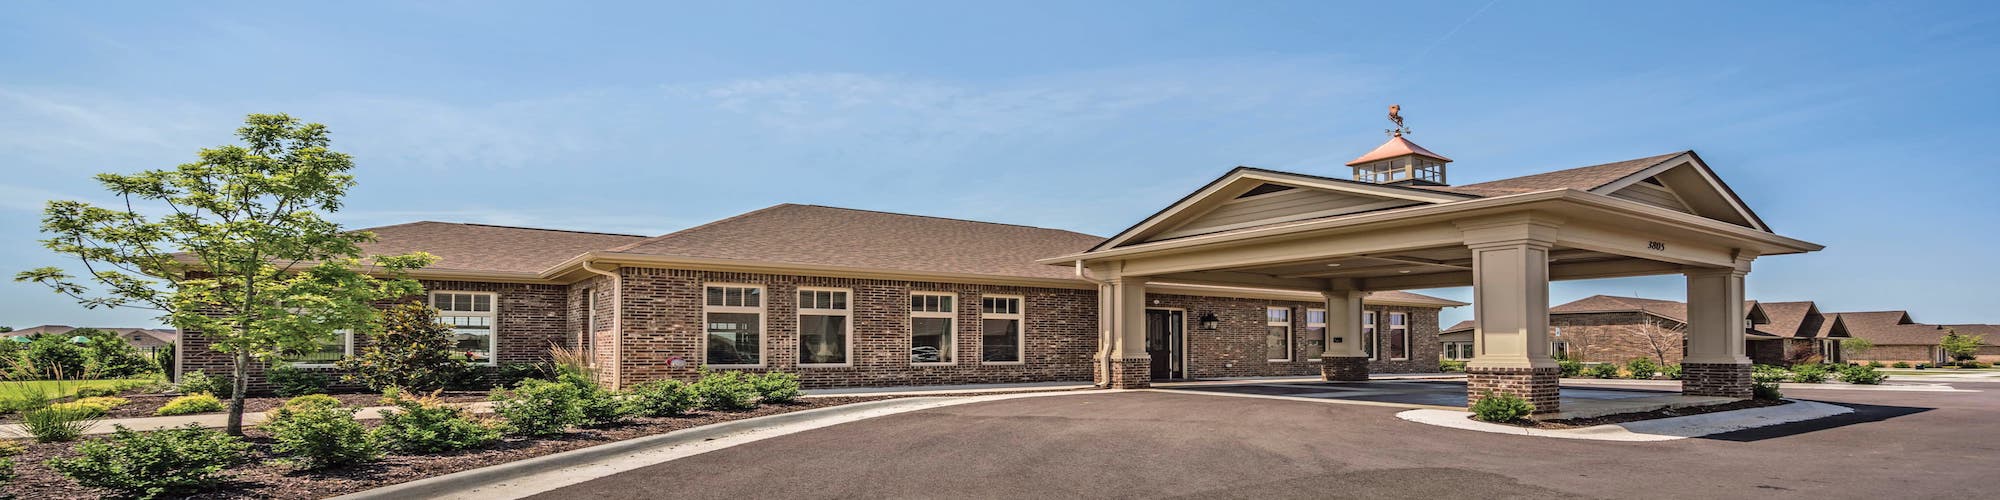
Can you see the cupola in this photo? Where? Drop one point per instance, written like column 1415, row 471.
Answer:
column 1400, row 161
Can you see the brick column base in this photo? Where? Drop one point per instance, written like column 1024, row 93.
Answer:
column 1131, row 373
column 1728, row 380
column 1344, row 368
column 1537, row 385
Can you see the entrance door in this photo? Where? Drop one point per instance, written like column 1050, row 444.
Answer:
column 1163, row 343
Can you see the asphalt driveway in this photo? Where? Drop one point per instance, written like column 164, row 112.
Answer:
column 1183, row 444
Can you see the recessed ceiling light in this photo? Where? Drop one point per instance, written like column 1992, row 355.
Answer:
column 1405, row 271
column 1336, row 264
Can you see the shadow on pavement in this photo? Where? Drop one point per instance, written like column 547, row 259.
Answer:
column 1863, row 413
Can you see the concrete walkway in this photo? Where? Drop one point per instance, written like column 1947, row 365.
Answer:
column 1662, row 429
column 213, row 420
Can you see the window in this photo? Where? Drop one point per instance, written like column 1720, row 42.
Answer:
column 324, row 351
column 734, row 315
column 1368, row 333
column 823, row 327
column 1399, row 335
column 1458, row 350
column 1278, row 334
column 1315, row 333
column 1000, row 334
column 932, row 317
column 1558, row 348
column 471, row 316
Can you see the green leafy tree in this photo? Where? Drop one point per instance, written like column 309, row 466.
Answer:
column 50, row 357
column 110, row 356
column 412, row 350
column 1852, row 347
column 234, row 245
column 1961, row 347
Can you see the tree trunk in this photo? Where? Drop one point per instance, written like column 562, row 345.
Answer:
column 240, row 383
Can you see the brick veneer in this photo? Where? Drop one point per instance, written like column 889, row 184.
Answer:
column 1537, row 385
column 1344, row 369
column 1236, row 347
column 1131, row 373
column 1716, row 379
column 1617, row 337
column 663, row 322
column 530, row 318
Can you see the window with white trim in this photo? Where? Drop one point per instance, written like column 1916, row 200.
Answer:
column 733, row 317
column 473, row 317
column 1399, row 336
column 1370, row 339
column 1315, row 333
column 1001, row 321
column 324, row 351
column 824, row 323
column 1278, row 334
column 933, row 319
column 1458, row 350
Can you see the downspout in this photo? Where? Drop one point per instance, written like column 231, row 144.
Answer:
column 617, row 325
column 1105, row 337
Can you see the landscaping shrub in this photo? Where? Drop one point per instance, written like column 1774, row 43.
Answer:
column 318, row 432
column 7, row 450
column 1811, row 373
column 108, row 356
column 426, row 425
column 539, row 407
column 1604, row 370
column 1864, row 375
column 51, row 357
column 201, row 383
column 511, row 374
column 599, row 406
column 1451, row 365
column 200, row 402
column 153, row 464
column 1764, row 381
column 54, row 424
column 1501, row 408
column 1901, row 364
column 93, row 406
column 96, row 391
column 1570, row 368
column 1973, row 364
column 662, row 398
column 412, row 350
column 1671, row 371
column 1876, row 364
column 1642, row 368
column 777, row 387
column 726, row 391
column 290, row 381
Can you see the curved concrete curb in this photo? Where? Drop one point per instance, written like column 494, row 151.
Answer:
column 536, row 475
column 1665, row 429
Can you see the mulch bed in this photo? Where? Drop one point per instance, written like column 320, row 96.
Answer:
column 264, row 478
column 1620, row 418
column 143, row 405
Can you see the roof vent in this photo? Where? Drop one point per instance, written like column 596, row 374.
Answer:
column 1400, row 161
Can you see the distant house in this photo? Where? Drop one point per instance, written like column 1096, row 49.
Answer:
column 1897, row 337
column 143, row 339
column 1611, row 329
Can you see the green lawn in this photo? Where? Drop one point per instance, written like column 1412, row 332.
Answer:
column 12, row 389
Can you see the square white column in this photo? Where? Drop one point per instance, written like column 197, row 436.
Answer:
column 1343, row 324
column 1715, row 315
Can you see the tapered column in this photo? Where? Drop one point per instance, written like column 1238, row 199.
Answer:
column 1510, row 307
column 1715, row 364
column 1343, row 359
column 1125, row 315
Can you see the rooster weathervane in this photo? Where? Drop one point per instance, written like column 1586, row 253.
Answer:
column 1396, row 116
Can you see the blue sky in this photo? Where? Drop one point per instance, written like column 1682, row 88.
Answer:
column 1863, row 126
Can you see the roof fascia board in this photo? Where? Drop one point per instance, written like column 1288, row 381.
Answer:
column 1617, row 206
column 1242, row 174
column 780, row 268
column 1171, row 288
column 1707, row 174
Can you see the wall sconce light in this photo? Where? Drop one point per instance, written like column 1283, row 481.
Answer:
column 1209, row 322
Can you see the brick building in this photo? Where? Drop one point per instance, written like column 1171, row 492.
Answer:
column 843, row 298
column 1896, row 337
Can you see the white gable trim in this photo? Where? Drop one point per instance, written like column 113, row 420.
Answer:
column 1700, row 168
column 1243, row 179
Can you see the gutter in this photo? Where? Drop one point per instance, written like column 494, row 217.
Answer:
column 617, row 325
column 1104, row 334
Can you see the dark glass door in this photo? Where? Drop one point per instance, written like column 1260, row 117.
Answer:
column 1163, row 343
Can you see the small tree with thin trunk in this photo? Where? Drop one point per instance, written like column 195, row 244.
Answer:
column 1855, row 347
column 1661, row 336
column 234, row 246
column 412, row 350
column 1960, row 347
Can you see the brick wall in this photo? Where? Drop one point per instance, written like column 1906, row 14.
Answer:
column 1236, row 348
column 529, row 319
column 1896, row 352
column 1617, row 337
column 663, row 323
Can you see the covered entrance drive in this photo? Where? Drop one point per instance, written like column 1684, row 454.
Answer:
column 1663, row 215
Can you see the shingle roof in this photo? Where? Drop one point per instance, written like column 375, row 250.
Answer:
column 843, row 237
column 479, row 247
column 1889, row 328
column 1582, row 178
column 1668, row 309
column 1462, row 326
column 1796, row 319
